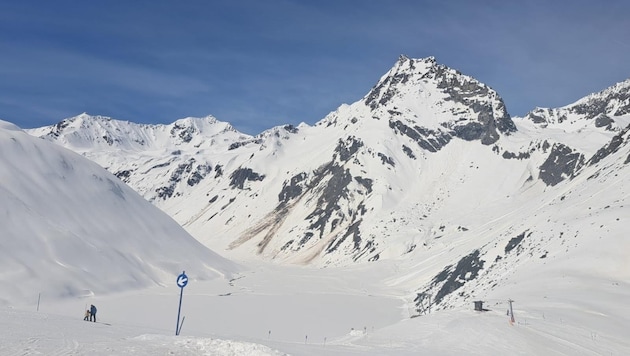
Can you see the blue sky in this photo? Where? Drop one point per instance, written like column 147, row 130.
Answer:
column 258, row 64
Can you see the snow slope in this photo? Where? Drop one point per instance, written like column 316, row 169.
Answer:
column 70, row 228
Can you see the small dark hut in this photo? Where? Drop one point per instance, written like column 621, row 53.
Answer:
column 479, row 305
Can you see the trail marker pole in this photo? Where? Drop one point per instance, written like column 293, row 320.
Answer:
column 39, row 296
column 182, row 281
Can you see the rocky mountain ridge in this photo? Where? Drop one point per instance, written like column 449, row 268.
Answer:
column 597, row 109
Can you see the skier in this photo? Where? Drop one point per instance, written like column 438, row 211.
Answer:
column 92, row 313
column 87, row 315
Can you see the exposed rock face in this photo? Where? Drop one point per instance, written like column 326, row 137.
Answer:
column 451, row 279
column 562, row 163
column 241, row 175
column 427, row 139
column 613, row 146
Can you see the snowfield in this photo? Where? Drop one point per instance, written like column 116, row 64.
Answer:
column 274, row 310
column 47, row 334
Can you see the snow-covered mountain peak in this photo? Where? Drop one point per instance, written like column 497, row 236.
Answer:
column 437, row 99
column 84, row 121
column 206, row 126
column 608, row 109
column 418, row 64
column 85, row 132
column 198, row 132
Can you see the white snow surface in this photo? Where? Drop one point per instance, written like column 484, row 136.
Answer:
column 275, row 310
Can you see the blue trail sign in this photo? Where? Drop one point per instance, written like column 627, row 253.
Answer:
column 182, row 280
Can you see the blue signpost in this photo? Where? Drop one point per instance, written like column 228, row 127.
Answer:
column 182, row 281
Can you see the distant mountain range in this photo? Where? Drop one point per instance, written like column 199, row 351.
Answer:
column 428, row 170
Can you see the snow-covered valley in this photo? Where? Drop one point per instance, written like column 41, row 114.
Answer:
column 276, row 310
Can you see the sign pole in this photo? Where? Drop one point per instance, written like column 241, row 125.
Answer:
column 181, row 294
column 182, row 281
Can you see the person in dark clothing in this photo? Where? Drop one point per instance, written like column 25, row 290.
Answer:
column 92, row 313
